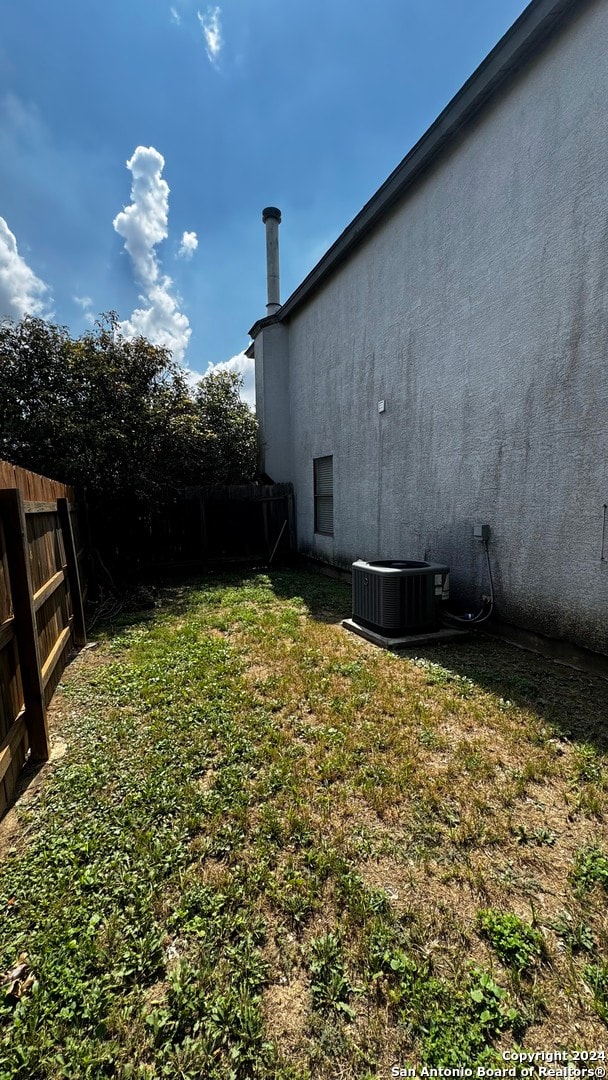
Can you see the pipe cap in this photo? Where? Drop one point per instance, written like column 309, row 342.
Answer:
column 271, row 212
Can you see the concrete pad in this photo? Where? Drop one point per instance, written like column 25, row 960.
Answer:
column 431, row 637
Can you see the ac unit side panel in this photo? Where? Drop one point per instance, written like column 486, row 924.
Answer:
column 418, row 601
column 377, row 599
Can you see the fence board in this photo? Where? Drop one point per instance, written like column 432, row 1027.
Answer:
column 66, row 524
column 13, row 752
column 233, row 523
column 54, row 656
column 13, row 739
column 15, row 536
column 33, row 487
column 11, row 692
column 7, row 632
column 48, row 589
column 41, row 612
column 6, row 609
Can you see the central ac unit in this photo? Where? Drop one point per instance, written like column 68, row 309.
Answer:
column 395, row 597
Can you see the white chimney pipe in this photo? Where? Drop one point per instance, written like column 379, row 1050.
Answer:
column 272, row 219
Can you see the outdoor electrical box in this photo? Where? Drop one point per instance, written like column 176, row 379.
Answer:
column 481, row 532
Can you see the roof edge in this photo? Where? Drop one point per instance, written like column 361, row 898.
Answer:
column 268, row 320
column 528, row 32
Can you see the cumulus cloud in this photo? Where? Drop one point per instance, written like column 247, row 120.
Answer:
column 210, row 25
column 144, row 224
column 245, row 366
column 188, row 245
column 21, row 292
column 161, row 321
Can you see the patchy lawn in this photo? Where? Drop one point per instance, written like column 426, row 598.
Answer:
column 271, row 850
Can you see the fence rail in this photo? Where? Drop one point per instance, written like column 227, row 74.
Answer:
column 41, row 577
column 199, row 526
column 41, row 611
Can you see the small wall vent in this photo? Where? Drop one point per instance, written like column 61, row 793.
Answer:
column 395, row 597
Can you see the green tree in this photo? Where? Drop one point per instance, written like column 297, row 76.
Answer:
column 228, row 428
column 117, row 416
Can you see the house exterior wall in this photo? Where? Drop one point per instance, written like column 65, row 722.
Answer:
column 478, row 311
column 272, row 402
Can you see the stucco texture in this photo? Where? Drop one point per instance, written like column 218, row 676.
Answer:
column 478, row 311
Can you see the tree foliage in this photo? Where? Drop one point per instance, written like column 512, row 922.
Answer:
column 116, row 416
column 228, row 427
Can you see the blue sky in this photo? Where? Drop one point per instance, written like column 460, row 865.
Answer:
column 219, row 110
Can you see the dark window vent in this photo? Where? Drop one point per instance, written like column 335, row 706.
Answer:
column 324, row 495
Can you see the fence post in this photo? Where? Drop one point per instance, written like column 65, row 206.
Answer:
column 266, row 527
column 26, row 629
column 63, row 510
column 204, row 541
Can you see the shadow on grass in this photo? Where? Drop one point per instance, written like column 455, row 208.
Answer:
column 327, row 599
column 574, row 704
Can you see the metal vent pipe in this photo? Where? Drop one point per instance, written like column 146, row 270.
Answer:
column 271, row 217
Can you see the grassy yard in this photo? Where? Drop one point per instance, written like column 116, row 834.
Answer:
column 271, row 850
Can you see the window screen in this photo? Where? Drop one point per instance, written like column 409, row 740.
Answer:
column 324, row 495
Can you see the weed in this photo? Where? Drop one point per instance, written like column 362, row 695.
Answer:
column 539, row 836
column 215, row 837
column 597, row 977
column 587, row 766
column 590, row 868
column 429, row 738
column 437, row 675
column 576, row 936
column 360, row 901
column 330, row 987
column 350, row 669
column 465, row 1024
column 516, row 943
column 452, row 1022
column 295, row 893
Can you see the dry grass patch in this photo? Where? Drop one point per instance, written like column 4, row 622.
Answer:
column 286, row 1009
column 324, row 858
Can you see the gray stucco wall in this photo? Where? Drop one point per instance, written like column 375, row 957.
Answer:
column 272, row 402
column 478, row 311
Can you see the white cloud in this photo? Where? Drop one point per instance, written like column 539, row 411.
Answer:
column 188, row 245
column 241, row 363
column 175, row 16
column 144, row 224
column 210, row 24
column 160, row 322
column 86, row 304
column 245, row 366
column 21, row 292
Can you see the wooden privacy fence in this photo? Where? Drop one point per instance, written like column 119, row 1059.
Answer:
column 250, row 521
column 233, row 523
column 41, row 611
